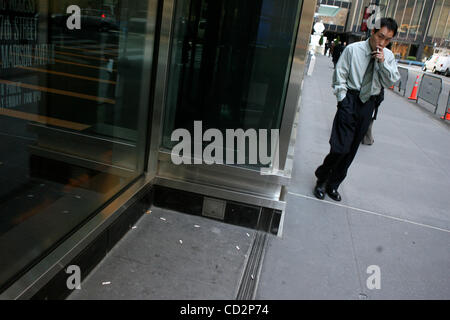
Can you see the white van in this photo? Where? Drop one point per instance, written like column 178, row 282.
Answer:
column 443, row 65
column 430, row 63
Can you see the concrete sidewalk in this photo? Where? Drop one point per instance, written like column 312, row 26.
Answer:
column 395, row 212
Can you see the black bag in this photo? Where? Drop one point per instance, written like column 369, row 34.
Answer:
column 368, row 138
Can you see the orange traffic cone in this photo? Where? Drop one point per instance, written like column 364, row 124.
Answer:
column 446, row 115
column 414, row 91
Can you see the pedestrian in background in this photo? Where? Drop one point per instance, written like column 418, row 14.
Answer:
column 363, row 69
column 337, row 51
column 332, row 45
column 327, row 47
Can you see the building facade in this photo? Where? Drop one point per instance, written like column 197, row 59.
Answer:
column 91, row 96
column 424, row 25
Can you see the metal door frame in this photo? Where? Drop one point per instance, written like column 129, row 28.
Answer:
column 234, row 183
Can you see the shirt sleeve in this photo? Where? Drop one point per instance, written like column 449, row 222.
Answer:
column 340, row 75
column 388, row 71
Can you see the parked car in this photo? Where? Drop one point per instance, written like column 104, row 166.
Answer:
column 92, row 20
column 101, row 20
column 430, row 64
column 443, row 65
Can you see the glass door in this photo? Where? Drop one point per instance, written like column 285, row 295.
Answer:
column 229, row 64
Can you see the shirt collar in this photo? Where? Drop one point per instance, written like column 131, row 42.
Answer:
column 368, row 48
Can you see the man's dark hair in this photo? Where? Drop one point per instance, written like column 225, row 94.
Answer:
column 389, row 23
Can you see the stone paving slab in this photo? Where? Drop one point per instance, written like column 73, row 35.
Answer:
column 151, row 262
column 313, row 259
column 414, row 260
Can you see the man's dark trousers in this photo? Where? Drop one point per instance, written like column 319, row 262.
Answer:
column 349, row 127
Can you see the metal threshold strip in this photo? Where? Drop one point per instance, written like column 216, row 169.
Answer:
column 250, row 278
column 221, row 193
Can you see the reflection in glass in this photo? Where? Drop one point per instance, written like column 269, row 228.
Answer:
column 70, row 118
column 229, row 64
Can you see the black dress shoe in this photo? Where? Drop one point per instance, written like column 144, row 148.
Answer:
column 334, row 194
column 319, row 190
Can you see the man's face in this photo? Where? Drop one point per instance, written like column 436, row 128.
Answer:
column 381, row 38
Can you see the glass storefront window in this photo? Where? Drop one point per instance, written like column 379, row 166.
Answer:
column 408, row 12
column 391, row 9
column 434, row 19
column 440, row 36
column 73, row 112
column 416, row 23
column 384, row 7
column 400, row 50
column 428, row 51
column 398, row 17
column 229, row 64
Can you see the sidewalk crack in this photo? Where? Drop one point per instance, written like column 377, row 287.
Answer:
column 358, row 270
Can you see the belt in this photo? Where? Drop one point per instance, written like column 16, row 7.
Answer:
column 355, row 92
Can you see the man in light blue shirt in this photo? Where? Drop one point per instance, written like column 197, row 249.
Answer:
column 362, row 70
